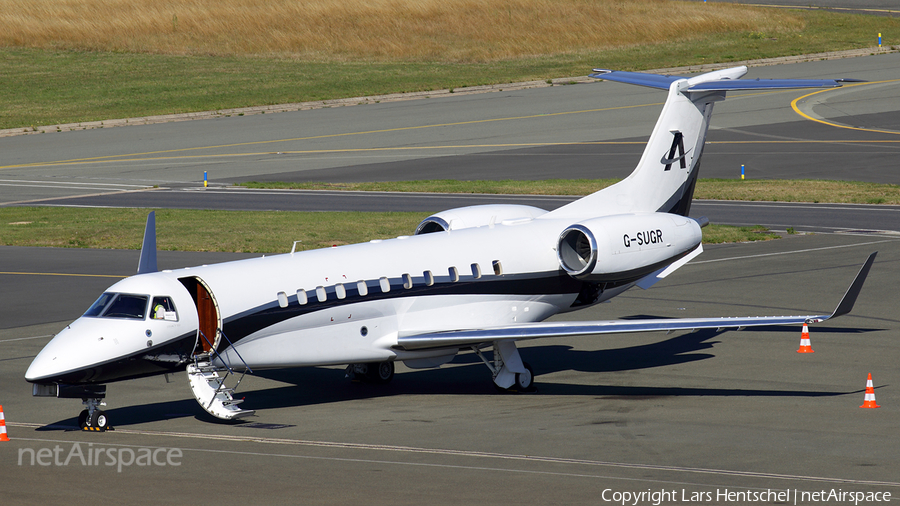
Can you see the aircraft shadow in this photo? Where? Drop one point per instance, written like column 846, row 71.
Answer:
column 312, row 386
column 132, row 415
column 315, row 385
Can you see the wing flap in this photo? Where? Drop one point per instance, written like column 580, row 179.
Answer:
column 462, row 338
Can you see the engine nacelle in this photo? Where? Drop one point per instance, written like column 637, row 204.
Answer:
column 625, row 247
column 476, row 216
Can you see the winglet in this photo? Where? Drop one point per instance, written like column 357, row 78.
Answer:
column 846, row 303
column 147, row 263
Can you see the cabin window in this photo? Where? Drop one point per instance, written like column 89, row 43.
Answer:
column 385, row 284
column 498, row 269
column 407, row 281
column 340, row 291
column 301, row 296
column 362, row 288
column 454, row 275
column 163, row 308
column 320, row 294
column 476, row 271
column 119, row 305
column 429, row 278
column 282, row 299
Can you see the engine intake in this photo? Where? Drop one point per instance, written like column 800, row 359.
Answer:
column 625, row 247
column 477, row 216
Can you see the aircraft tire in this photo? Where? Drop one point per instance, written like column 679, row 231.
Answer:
column 525, row 381
column 83, row 419
column 380, row 372
column 99, row 421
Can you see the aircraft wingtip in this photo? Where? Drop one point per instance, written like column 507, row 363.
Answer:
column 849, row 299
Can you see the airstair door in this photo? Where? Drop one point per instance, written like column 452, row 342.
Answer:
column 207, row 312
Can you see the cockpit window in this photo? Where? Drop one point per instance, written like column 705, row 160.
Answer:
column 100, row 305
column 127, row 306
column 163, row 309
column 119, row 305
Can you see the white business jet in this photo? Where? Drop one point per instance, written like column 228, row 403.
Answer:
column 469, row 279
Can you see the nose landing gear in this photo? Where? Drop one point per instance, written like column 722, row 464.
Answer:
column 93, row 418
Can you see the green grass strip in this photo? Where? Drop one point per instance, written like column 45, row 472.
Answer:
column 838, row 192
column 230, row 231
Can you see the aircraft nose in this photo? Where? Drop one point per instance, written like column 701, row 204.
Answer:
column 41, row 367
column 50, row 362
column 70, row 350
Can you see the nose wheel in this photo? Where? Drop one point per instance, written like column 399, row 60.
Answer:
column 93, row 418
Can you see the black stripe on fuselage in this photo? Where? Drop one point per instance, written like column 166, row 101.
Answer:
column 248, row 322
column 171, row 356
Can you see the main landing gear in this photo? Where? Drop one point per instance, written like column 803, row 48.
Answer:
column 93, row 418
column 371, row 372
column 509, row 372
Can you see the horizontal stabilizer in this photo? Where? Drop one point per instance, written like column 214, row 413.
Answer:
column 720, row 80
column 639, row 78
column 766, row 84
column 472, row 337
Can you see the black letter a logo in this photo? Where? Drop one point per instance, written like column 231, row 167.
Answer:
column 677, row 143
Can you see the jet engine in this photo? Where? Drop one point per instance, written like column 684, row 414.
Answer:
column 625, row 247
column 477, row 216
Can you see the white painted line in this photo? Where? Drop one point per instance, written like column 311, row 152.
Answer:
column 60, row 187
column 462, row 453
column 388, row 194
column 800, row 205
column 68, row 182
column 25, row 338
column 792, row 252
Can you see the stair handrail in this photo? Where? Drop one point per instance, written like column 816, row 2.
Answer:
column 213, row 349
column 231, row 345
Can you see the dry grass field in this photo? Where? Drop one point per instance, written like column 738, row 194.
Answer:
column 68, row 61
column 461, row 31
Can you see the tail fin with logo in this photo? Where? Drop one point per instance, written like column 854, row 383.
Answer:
column 664, row 179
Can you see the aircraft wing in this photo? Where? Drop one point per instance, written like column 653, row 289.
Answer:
column 472, row 337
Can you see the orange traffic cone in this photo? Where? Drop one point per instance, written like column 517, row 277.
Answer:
column 805, row 347
column 869, row 401
column 3, row 436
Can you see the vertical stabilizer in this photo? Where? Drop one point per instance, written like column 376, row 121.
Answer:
column 664, row 179
column 666, row 175
column 147, row 262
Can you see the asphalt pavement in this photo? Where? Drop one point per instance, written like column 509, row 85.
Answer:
column 592, row 130
column 697, row 415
